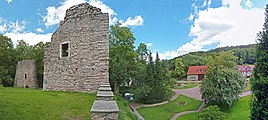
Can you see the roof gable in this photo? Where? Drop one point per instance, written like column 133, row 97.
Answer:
column 197, row 70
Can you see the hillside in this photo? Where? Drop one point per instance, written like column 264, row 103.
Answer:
column 245, row 55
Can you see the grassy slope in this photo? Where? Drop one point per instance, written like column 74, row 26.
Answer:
column 239, row 111
column 30, row 104
column 166, row 111
column 125, row 111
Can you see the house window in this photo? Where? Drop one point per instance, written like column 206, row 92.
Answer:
column 25, row 76
column 65, row 49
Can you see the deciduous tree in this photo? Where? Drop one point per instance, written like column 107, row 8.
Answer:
column 223, row 83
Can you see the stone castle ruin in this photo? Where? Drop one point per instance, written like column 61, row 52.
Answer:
column 26, row 74
column 78, row 57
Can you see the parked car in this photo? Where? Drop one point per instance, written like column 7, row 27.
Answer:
column 128, row 96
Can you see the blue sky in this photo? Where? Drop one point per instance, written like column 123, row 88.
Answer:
column 171, row 27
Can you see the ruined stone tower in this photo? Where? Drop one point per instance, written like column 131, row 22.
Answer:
column 78, row 57
column 26, row 74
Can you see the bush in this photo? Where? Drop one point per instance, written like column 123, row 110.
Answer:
column 212, row 113
column 142, row 93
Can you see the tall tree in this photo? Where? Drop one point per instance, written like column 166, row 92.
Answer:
column 179, row 72
column 122, row 57
column 259, row 81
column 7, row 61
column 223, row 83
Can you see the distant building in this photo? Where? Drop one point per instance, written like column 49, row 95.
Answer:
column 196, row 73
column 246, row 70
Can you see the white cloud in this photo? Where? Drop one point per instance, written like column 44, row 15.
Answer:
column 149, row 44
column 56, row 14
column 248, row 3
column 16, row 26
column 228, row 25
column 3, row 28
column 3, row 25
column 39, row 30
column 9, row 1
column 31, row 38
column 136, row 21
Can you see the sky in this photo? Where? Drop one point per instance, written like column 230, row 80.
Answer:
column 169, row 27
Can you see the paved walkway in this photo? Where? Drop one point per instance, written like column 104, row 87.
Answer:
column 191, row 92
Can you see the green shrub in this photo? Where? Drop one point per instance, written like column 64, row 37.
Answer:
column 142, row 93
column 212, row 113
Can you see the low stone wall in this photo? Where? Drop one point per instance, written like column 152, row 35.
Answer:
column 104, row 107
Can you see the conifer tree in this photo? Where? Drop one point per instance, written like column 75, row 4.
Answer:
column 259, row 81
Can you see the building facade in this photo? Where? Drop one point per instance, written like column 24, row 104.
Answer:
column 78, row 57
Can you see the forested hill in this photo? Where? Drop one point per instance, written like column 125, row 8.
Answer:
column 245, row 55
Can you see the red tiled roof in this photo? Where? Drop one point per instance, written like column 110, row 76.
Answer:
column 197, row 70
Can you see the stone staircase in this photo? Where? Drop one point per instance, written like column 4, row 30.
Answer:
column 104, row 107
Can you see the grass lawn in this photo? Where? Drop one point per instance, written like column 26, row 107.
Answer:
column 166, row 111
column 247, row 87
column 239, row 111
column 190, row 116
column 32, row 104
column 187, row 85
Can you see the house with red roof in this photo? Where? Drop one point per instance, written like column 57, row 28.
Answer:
column 246, row 70
column 196, row 73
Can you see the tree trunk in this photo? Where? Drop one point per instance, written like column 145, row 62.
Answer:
column 116, row 88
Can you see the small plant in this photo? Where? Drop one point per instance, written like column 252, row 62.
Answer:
column 181, row 103
column 212, row 113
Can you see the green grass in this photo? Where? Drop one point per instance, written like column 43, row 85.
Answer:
column 32, row 104
column 187, row 85
column 125, row 111
column 247, row 87
column 166, row 111
column 239, row 111
column 190, row 116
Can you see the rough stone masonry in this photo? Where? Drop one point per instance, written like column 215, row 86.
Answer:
column 78, row 57
column 26, row 74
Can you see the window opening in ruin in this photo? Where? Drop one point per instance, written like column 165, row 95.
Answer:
column 25, row 76
column 65, row 49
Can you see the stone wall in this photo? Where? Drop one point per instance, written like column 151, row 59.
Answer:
column 86, row 31
column 26, row 74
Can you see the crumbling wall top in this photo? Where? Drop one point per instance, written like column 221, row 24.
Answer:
column 81, row 9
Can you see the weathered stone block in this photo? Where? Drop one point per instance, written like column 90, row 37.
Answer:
column 26, row 74
column 104, row 110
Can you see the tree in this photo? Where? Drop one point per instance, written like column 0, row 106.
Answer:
column 122, row 57
column 223, row 83
column 179, row 72
column 38, row 52
column 7, row 61
column 155, row 83
column 259, row 80
column 212, row 113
